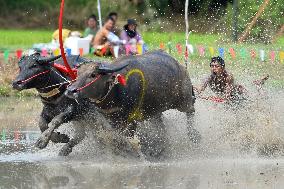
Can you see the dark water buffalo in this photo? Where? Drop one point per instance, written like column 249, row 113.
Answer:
column 155, row 82
column 39, row 73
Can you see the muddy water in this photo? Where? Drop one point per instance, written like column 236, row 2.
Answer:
column 242, row 147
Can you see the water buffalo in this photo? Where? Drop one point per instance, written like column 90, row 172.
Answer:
column 137, row 88
column 39, row 73
column 48, row 77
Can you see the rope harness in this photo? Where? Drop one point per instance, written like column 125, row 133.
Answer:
column 34, row 76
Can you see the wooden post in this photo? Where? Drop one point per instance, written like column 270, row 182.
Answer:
column 249, row 27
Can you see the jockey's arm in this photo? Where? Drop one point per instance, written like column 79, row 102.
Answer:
column 202, row 87
column 229, row 87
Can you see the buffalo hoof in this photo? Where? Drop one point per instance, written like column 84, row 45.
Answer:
column 56, row 137
column 65, row 150
column 42, row 141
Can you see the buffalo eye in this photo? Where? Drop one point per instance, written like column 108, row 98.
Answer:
column 93, row 75
column 34, row 65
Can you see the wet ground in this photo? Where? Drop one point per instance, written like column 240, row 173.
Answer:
column 241, row 148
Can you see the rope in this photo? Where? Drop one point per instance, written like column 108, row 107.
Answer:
column 72, row 75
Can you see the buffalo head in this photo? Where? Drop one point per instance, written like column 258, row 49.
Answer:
column 93, row 80
column 33, row 71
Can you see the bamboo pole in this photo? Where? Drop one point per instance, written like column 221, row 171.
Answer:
column 186, row 32
column 252, row 23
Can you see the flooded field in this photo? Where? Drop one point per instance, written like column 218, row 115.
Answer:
column 241, row 148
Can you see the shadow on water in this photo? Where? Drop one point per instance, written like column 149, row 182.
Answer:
column 241, row 148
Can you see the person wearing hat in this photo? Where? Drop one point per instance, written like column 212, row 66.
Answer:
column 130, row 34
column 222, row 83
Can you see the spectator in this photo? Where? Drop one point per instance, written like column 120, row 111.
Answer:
column 115, row 29
column 92, row 28
column 130, row 35
column 105, row 39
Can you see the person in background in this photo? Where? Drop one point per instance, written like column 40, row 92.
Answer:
column 92, row 28
column 55, row 36
column 115, row 29
column 105, row 39
column 130, row 35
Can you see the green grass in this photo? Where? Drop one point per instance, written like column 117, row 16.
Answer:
column 24, row 39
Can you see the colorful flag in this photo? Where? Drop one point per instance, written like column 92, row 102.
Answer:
column 190, row 48
column 127, row 49
column 262, row 55
column 6, row 55
column 201, row 51
column 145, row 48
column 17, row 136
column 3, row 135
column 272, row 56
column 19, row 53
column 243, row 53
column 179, row 48
column 211, row 51
column 68, row 52
column 233, row 53
column 221, row 52
column 81, row 51
column 162, row 46
column 56, row 52
column 44, row 52
column 115, row 50
column 139, row 49
column 253, row 54
column 281, row 56
column 169, row 45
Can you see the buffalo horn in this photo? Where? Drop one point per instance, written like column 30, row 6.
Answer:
column 47, row 60
column 111, row 68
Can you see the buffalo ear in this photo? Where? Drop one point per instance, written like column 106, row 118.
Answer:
column 42, row 60
column 110, row 68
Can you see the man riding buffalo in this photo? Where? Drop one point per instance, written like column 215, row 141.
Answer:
column 222, row 83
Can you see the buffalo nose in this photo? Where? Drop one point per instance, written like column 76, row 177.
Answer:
column 16, row 83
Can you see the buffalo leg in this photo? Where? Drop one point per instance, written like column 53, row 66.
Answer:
column 79, row 136
column 153, row 137
column 193, row 134
column 56, row 137
column 55, row 123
